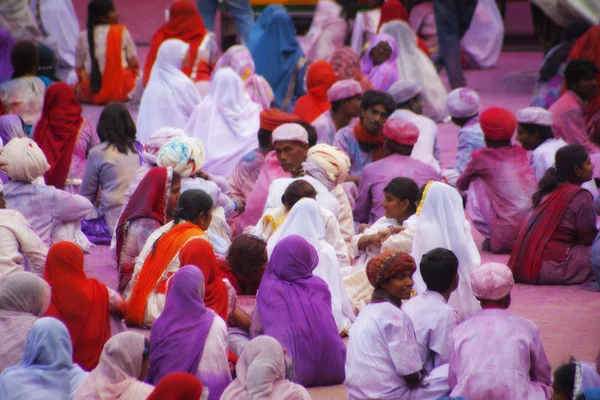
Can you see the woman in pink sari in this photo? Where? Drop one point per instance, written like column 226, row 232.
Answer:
column 379, row 62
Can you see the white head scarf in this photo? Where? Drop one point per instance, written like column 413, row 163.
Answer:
column 184, row 154
column 328, row 164
column 157, row 140
column 442, row 223
column 23, row 160
column 170, row 96
column 261, row 372
column 417, row 66
column 116, row 375
column 227, row 122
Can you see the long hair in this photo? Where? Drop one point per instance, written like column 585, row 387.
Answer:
column 566, row 160
column 97, row 12
column 117, row 128
column 24, row 59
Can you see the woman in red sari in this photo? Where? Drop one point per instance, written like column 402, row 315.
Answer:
column 84, row 305
column 185, row 23
column 554, row 246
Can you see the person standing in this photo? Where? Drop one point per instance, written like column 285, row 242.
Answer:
column 240, row 10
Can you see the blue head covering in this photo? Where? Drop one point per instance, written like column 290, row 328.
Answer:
column 592, row 394
column 275, row 50
column 46, row 370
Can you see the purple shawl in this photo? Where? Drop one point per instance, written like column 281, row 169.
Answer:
column 178, row 335
column 7, row 42
column 294, row 307
column 383, row 76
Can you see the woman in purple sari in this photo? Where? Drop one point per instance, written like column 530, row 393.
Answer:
column 379, row 62
column 188, row 337
column 294, row 307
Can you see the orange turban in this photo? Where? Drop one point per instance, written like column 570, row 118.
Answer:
column 388, row 265
column 272, row 118
column 497, row 123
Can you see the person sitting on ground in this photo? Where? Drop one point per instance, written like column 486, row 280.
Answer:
column 121, row 372
column 109, row 171
column 23, row 94
column 179, row 386
column 480, row 368
column 328, row 29
column 363, row 142
column 573, row 379
column 105, row 57
column 290, row 296
column 48, row 64
column 379, row 62
column 399, row 140
column 383, row 360
column 247, row 258
column 47, row 370
column 346, row 64
column 188, row 336
column 554, row 246
column 500, row 183
column 463, row 106
column 261, row 371
column 91, row 311
column 24, row 298
column 54, row 214
column 409, row 107
column 344, row 96
column 320, row 77
column 433, row 319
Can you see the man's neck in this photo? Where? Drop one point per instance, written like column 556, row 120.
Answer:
column 340, row 120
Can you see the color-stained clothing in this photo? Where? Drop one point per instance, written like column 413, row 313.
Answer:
column 346, row 141
column 88, row 139
column 470, row 138
column 325, row 128
column 385, row 74
column 427, row 148
column 498, row 355
column 500, row 183
column 244, row 175
column 327, row 32
column 434, row 321
column 20, row 245
column 377, row 175
column 23, row 96
column 542, row 158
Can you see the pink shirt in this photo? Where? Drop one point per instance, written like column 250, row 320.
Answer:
column 568, row 114
column 497, row 355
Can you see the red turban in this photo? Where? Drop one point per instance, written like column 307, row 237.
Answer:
column 401, row 132
column 497, row 123
column 272, row 118
column 388, row 265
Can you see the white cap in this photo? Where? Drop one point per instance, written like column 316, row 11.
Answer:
column 290, row 132
column 535, row 115
column 404, row 90
column 463, row 103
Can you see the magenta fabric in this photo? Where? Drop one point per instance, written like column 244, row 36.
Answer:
column 508, row 183
column 383, row 75
column 178, row 335
column 294, row 307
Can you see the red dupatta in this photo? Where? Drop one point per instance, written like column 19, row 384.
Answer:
column 186, row 24
column 81, row 303
column 319, row 78
column 526, row 258
column 57, row 131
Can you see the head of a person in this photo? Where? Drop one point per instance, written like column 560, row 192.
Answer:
column 407, row 95
column 157, row 140
column 345, row 97
column 194, row 206
column 319, row 78
column 463, row 105
column 439, row 269
column 563, row 382
column 25, row 59
column 48, row 343
column 498, row 126
column 102, row 12
column 400, row 136
column 375, row 108
column 293, row 258
column 296, row 191
column 127, row 352
column 48, row 63
column 117, row 128
column 24, row 292
column 177, row 386
column 271, row 119
column 580, row 77
column 23, row 160
column 174, row 195
column 248, row 257
column 491, row 284
column 381, row 52
column 534, row 127
column 401, row 199
column 328, row 164
column 291, row 146
column 392, row 271
column 186, row 155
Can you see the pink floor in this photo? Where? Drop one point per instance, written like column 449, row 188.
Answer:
column 566, row 316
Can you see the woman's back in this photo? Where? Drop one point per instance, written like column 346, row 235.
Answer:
column 83, row 58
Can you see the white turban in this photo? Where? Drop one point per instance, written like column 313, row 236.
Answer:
column 157, row 140
column 492, row 281
column 327, row 164
column 23, row 160
column 291, row 132
column 404, row 90
column 184, row 154
column 463, row 103
column 535, row 115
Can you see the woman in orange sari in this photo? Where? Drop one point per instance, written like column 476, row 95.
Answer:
column 159, row 258
column 105, row 58
column 185, row 23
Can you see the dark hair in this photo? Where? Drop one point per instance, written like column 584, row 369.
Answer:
column 247, row 254
column 297, row 190
column 564, row 379
column 566, row 160
column 24, row 59
column 117, row 127
column 336, row 105
column 97, row 12
column 439, row 268
column 372, row 98
column 397, row 148
column 48, row 63
column 191, row 204
column 576, row 29
column 264, row 137
column 544, row 131
column 578, row 69
column 146, row 352
column 312, row 132
column 404, row 189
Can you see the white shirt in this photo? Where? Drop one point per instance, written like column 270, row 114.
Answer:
column 19, row 244
column 543, row 156
column 434, row 321
column 426, row 149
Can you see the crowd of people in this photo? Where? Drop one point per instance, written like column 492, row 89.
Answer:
column 279, row 216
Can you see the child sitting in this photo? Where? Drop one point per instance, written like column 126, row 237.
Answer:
column 574, row 379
